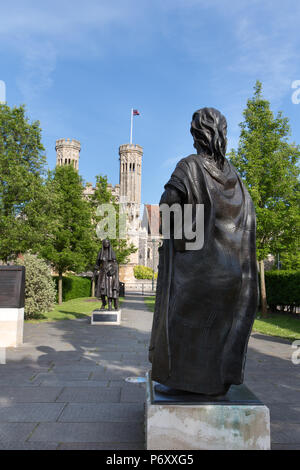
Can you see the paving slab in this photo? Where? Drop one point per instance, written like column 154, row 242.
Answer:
column 108, row 412
column 18, row 432
column 18, row 445
column 90, row 395
column 285, row 433
column 102, row 446
column 66, row 388
column 30, row 412
column 72, row 375
column 61, row 382
column 133, row 393
column 9, row 395
column 89, row 432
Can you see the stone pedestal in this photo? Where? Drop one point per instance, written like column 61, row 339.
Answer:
column 236, row 421
column 11, row 327
column 106, row 317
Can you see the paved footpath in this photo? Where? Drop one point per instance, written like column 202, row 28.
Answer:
column 65, row 387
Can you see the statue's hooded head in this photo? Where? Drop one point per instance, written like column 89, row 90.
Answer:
column 209, row 129
column 107, row 253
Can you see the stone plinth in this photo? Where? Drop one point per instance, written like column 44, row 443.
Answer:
column 237, row 421
column 106, row 317
column 11, row 327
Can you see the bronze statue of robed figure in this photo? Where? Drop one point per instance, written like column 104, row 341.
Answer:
column 106, row 273
column 206, row 299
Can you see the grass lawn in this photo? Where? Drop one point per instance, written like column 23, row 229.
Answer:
column 75, row 308
column 150, row 301
column 277, row 324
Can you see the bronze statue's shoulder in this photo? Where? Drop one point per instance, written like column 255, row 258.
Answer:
column 188, row 159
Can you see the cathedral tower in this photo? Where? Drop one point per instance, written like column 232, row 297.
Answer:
column 130, row 198
column 130, row 182
column 131, row 172
column 67, row 152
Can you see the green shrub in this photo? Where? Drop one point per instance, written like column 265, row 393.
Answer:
column 283, row 288
column 290, row 261
column 143, row 272
column 40, row 289
column 74, row 287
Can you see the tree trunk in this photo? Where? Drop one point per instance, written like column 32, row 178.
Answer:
column 93, row 287
column 59, row 288
column 263, row 295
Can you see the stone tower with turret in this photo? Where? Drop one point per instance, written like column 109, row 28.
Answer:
column 130, row 179
column 67, row 152
column 130, row 195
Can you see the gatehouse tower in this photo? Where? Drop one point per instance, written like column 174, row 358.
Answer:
column 130, row 198
column 67, row 152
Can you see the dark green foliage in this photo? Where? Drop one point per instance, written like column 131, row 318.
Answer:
column 74, row 287
column 290, row 260
column 39, row 286
column 68, row 244
column 283, row 288
column 267, row 163
column 22, row 165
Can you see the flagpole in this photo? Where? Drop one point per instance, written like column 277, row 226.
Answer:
column 131, row 124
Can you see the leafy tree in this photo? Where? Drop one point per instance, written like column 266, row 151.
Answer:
column 290, row 260
column 267, row 163
column 40, row 291
column 68, row 245
column 100, row 196
column 22, row 166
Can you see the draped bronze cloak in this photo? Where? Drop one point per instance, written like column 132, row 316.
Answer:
column 206, row 299
column 107, row 282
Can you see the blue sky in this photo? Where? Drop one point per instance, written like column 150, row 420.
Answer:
column 81, row 66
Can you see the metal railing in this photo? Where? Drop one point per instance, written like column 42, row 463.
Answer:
column 140, row 288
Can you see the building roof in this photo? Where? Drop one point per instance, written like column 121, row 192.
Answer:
column 151, row 219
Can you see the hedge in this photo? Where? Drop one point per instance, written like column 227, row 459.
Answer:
column 143, row 272
column 74, row 287
column 283, row 288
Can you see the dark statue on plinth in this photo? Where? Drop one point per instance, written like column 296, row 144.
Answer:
column 107, row 272
column 206, row 299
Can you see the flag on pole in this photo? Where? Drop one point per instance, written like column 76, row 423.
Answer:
column 134, row 112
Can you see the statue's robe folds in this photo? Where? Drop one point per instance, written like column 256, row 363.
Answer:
column 206, row 299
column 108, row 276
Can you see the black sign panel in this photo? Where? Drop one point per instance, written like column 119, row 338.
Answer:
column 12, row 286
column 103, row 317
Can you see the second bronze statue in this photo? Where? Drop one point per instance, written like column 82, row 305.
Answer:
column 107, row 276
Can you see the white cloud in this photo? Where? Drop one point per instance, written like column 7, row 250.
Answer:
column 41, row 32
column 38, row 63
column 271, row 56
column 264, row 37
